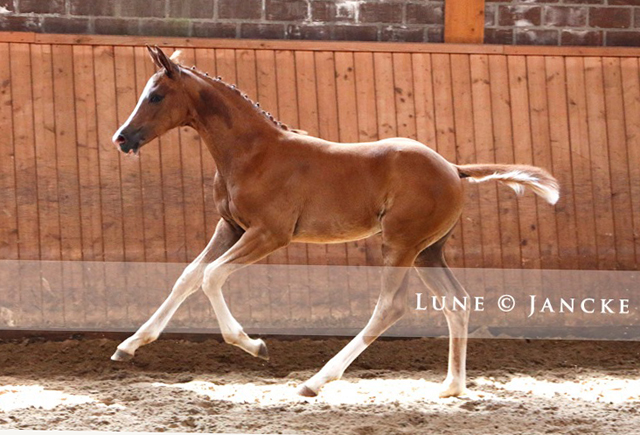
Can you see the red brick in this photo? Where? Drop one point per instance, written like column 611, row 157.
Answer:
column 157, row 27
column 191, row 8
column 65, row 25
column 283, row 10
column 589, row 2
column 41, row 6
column 245, row 9
column 142, row 8
column 208, row 29
column 425, row 13
column 262, row 31
column 581, row 37
column 20, row 24
column 560, row 16
column 381, row 12
column 624, row 2
column 435, row 34
column 355, row 33
column 490, row 12
column 498, row 36
column 7, row 6
column 295, row 31
column 94, row 7
column 329, row 11
column 623, row 39
column 610, row 18
column 117, row 26
column 537, row 37
column 403, row 34
column 519, row 16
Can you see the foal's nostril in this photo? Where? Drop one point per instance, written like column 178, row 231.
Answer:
column 120, row 140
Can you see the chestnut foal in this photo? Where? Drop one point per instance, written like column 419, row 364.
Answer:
column 274, row 186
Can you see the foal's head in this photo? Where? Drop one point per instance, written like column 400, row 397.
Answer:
column 162, row 106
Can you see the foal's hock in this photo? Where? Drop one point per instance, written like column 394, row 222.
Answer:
column 274, row 186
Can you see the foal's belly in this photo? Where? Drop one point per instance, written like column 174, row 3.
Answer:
column 339, row 212
column 336, row 236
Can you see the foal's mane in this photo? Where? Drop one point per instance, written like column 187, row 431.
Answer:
column 254, row 104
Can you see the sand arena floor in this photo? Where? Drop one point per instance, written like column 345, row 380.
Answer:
column 515, row 387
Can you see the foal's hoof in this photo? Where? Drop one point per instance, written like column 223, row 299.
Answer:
column 121, row 356
column 451, row 390
column 306, row 391
column 263, row 352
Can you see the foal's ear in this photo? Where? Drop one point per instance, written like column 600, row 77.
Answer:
column 162, row 61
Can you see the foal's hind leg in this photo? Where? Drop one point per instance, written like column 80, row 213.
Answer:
column 437, row 276
column 224, row 238
column 390, row 307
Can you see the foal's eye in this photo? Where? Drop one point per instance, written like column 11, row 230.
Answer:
column 155, row 98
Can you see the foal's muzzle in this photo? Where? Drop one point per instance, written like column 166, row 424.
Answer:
column 128, row 142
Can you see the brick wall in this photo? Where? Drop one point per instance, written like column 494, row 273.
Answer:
column 548, row 22
column 563, row 22
column 265, row 19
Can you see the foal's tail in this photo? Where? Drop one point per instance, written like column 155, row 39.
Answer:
column 516, row 177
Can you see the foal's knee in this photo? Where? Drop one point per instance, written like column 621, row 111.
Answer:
column 213, row 278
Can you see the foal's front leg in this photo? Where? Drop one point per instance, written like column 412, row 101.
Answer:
column 252, row 246
column 225, row 236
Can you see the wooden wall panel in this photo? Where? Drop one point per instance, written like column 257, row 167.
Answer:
column 67, row 194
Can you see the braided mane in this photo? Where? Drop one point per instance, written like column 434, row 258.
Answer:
column 205, row 76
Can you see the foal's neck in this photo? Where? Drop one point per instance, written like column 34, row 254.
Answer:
column 232, row 127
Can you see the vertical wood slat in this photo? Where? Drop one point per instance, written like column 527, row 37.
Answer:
column 69, row 183
column 8, row 215
column 600, row 162
column 503, row 142
column 9, row 291
column 561, row 156
column 465, row 143
column 538, row 107
column 581, row 162
column 631, row 94
column 24, row 157
column 89, row 174
column 523, row 154
column 618, row 161
column 86, row 134
column 446, row 138
column 49, row 171
column 483, row 124
column 46, row 158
